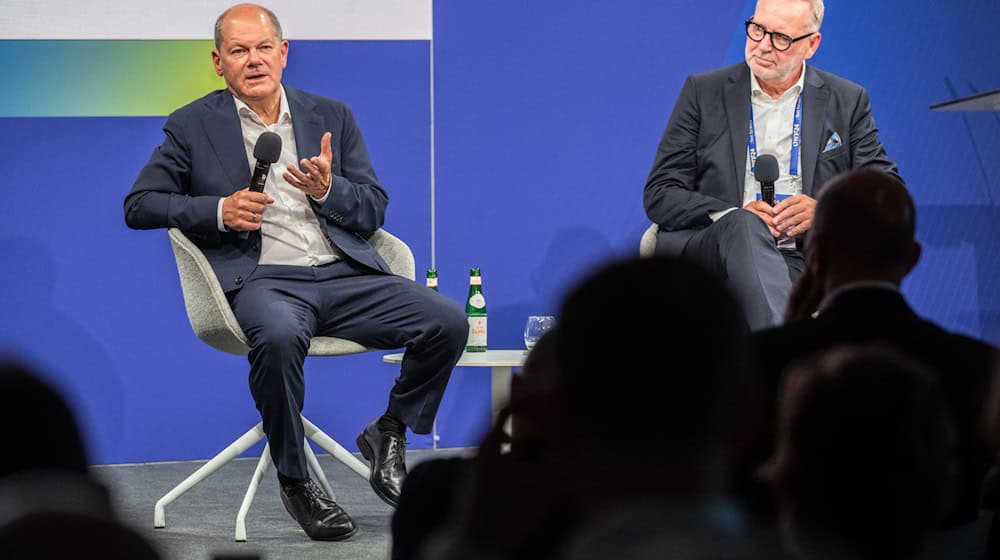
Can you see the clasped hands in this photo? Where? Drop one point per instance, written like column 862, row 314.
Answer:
column 788, row 218
column 794, row 216
column 244, row 209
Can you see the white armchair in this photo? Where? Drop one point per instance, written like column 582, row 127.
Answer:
column 213, row 321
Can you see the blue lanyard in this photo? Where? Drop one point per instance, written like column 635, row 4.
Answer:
column 793, row 166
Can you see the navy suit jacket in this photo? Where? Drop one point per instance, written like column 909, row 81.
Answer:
column 701, row 161
column 203, row 159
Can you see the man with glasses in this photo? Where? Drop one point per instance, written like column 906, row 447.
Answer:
column 702, row 192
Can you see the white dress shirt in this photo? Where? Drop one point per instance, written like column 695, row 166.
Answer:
column 290, row 231
column 773, row 128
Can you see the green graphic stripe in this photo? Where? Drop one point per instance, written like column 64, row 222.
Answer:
column 104, row 78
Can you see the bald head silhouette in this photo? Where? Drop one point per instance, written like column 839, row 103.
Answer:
column 863, row 229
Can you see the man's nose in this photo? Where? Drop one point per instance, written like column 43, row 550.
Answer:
column 765, row 44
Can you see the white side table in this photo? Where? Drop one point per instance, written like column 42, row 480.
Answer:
column 500, row 361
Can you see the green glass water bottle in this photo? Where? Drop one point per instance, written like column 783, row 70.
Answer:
column 432, row 279
column 475, row 309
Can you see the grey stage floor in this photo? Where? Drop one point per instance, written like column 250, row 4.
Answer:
column 200, row 524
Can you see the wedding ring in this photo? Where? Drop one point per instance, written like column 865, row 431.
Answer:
column 254, row 219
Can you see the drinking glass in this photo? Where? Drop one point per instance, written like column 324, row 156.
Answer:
column 536, row 326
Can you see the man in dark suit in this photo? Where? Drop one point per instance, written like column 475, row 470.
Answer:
column 701, row 190
column 861, row 247
column 306, row 268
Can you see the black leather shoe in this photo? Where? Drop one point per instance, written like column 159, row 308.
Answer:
column 320, row 517
column 386, row 451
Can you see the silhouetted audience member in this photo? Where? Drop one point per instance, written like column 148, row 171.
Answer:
column 432, row 488
column 654, row 370
column 50, row 506
column 425, row 503
column 860, row 248
column 58, row 535
column 651, row 367
column 864, row 465
column 991, row 486
column 47, row 437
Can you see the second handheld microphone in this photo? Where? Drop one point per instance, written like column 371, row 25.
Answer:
column 766, row 173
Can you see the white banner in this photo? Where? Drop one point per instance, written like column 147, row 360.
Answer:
column 195, row 19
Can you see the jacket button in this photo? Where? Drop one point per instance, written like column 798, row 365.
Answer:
column 239, row 279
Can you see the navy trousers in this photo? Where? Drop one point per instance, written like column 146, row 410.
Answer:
column 740, row 249
column 281, row 308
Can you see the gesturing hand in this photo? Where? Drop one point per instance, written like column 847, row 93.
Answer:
column 244, row 210
column 314, row 177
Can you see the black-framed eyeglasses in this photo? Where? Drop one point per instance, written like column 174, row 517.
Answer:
column 781, row 42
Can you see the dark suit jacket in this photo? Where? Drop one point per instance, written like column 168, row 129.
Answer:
column 701, row 162
column 203, row 159
column 870, row 314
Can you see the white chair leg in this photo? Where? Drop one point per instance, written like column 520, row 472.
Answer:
column 241, row 517
column 335, row 449
column 233, row 450
column 317, row 471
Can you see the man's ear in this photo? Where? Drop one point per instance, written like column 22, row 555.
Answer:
column 814, row 42
column 217, row 61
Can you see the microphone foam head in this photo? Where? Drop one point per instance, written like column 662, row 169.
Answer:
column 766, row 169
column 268, row 147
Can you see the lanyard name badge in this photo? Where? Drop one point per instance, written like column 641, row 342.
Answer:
column 793, row 166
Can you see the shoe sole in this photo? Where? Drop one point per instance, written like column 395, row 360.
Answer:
column 345, row 536
column 369, row 455
column 333, row 538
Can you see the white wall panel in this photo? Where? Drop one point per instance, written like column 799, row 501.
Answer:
column 193, row 19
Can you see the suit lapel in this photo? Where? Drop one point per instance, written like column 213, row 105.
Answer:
column 307, row 123
column 737, row 105
column 814, row 102
column 222, row 126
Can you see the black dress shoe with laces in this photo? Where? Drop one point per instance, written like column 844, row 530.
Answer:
column 385, row 449
column 320, row 517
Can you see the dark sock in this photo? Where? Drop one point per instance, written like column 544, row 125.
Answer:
column 390, row 422
column 288, row 481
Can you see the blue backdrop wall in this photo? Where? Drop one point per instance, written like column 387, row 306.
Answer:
column 547, row 118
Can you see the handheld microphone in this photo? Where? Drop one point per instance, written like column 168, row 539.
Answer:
column 766, row 173
column 267, row 150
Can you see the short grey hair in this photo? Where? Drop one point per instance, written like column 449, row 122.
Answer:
column 817, row 12
column 276, row 25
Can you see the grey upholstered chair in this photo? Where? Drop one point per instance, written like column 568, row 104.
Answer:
column 647, row 245
column 214, row 323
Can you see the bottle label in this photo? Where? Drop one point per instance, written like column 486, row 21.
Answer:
column 475, row 280
column 477, row 301
column 432, row 282
column 477, row 335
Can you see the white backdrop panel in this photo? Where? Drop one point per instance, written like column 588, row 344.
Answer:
column 193, row 19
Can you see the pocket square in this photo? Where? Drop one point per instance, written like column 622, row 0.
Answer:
column 833, row 142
